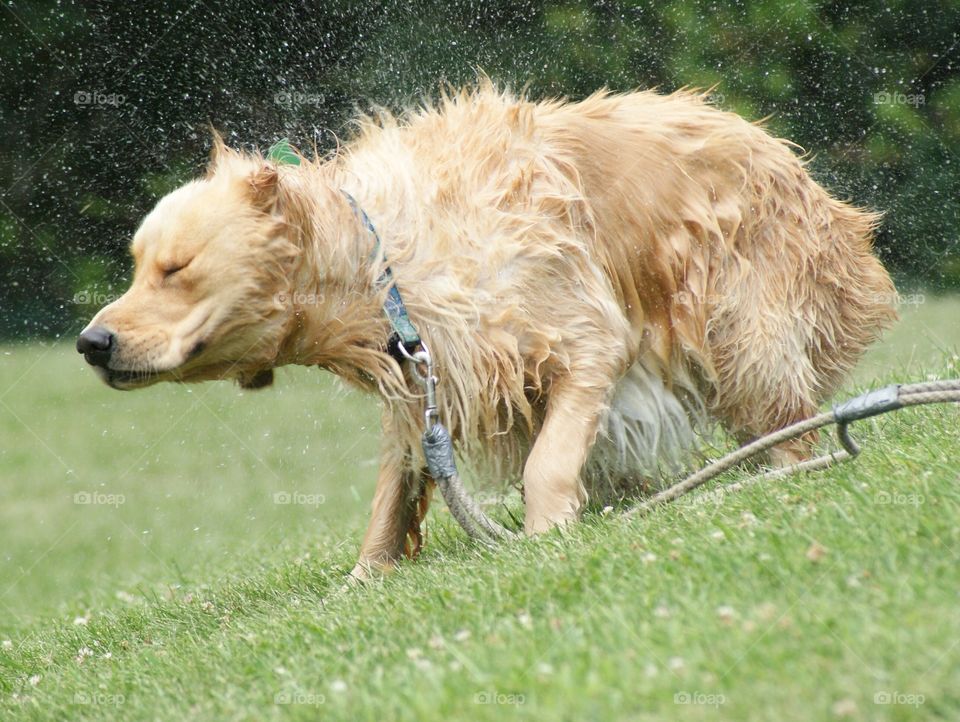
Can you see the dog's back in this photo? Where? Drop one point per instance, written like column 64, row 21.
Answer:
column 648, row 229
column 760, row 279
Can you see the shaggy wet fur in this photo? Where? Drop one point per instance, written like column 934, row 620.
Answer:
column 617, row 267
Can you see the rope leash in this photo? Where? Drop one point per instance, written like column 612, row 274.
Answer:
column 872, row 403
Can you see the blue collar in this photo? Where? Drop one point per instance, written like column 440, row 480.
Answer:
column 393, row 306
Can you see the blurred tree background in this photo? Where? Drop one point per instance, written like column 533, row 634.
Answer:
column 104, row 105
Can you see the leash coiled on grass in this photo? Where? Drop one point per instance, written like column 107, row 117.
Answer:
column 464, row 508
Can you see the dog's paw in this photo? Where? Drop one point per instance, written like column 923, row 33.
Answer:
column 364, row 573
column 536, row 524
column 352, row 583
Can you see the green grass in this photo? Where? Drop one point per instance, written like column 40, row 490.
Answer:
column 186, row 592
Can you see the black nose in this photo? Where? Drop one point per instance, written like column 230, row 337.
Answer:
column 96, row 344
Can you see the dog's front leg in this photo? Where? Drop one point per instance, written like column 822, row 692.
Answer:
column 397, row 505
column 552, row 492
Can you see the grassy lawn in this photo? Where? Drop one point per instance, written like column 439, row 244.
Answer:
column 175, row 553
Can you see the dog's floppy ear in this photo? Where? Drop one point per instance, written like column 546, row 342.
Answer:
column 263, row 186
column 266, row 178
column 256, row 380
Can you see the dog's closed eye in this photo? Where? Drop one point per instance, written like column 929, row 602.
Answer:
column 169, row 269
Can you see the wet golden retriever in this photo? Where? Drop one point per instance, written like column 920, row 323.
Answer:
column 591, row 278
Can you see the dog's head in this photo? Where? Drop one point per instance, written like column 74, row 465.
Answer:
column 212, row 262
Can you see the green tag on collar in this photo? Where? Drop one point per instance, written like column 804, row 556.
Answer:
column 282, row 153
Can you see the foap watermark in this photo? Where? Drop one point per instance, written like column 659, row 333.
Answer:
column 97, row 498
column 494, row 697
column 695, row 697
column 900, row 299
column 298, row 498
column 298, row 298
column 490, row 498
column 296, row 98
column 98, row 99
column 897, row 98
column 895, row 498
column 94, row 298
column 688, row 298
column 98, row 698
column 899, row 698
column 311, row 699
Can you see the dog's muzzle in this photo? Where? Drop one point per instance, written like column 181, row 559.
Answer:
column 96, row 344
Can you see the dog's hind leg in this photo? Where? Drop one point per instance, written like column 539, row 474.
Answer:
column 552, row 489
column 766, row 380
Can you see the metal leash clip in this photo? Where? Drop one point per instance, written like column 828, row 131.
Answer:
column 428, row 380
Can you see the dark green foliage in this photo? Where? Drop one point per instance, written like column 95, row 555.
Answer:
column 105, row 104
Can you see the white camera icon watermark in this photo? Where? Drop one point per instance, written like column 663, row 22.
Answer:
column 898, row 98
column 296, row 98
column 707, row 699
column 895, row 498
column 298, row 298
column 96, row 498
column 98, row 99
column 99, row 698
column 900, row 299
column 899, row 698
column 500, row 698
column 311, row 699
column 298, row 498
column 93, row 298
